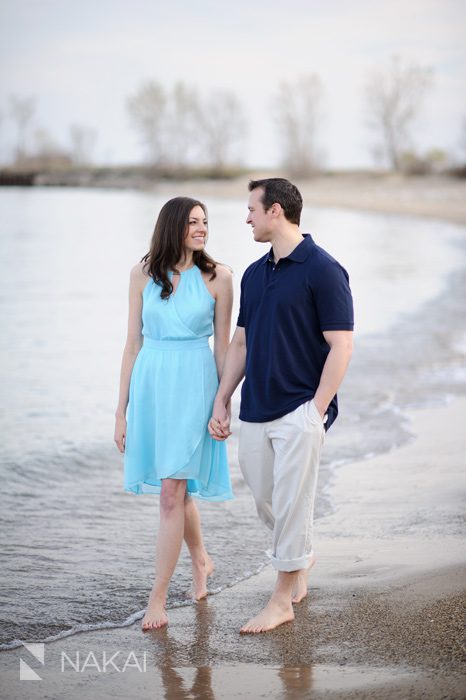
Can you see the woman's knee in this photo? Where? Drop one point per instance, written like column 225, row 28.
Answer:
column 172, row 495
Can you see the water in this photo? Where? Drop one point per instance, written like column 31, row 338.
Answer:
column 76, row 550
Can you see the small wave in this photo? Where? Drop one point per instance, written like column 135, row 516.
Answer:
column 134, row 617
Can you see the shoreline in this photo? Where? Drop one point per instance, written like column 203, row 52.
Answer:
column 382, row 619
column 383, row 615
column 430, row 196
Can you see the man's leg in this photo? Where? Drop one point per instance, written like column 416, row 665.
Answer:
column 256, row 459
column 297, row 439
column 279, row 608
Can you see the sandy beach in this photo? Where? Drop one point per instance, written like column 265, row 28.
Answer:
column 383, row 617
column 434, row 196
column 108, row 111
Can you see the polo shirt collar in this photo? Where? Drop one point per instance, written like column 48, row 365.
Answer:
column 299, row 254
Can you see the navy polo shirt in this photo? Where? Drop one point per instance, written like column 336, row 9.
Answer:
column 284, row 309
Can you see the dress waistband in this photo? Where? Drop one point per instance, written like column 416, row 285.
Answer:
column 188, row 344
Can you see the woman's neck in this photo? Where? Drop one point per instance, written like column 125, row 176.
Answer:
column 185, row 262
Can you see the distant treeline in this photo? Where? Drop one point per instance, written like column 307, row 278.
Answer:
column 184, row 133
column 137, row 176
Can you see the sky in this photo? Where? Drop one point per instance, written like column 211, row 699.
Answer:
column 83, row 59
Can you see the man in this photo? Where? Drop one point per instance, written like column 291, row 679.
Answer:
column 293, row 343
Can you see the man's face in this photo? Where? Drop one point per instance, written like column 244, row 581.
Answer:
column 259, row 219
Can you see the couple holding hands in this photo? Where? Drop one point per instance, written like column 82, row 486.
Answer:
column 292, row 346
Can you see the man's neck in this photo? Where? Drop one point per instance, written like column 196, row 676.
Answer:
column 285, row 241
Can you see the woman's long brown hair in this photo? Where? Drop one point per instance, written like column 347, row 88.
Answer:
column 167, row 244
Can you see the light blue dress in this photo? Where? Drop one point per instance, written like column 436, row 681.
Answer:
column 172, row 389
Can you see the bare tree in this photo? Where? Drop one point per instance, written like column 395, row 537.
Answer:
column 22, row 111
column 297, row 108
column 393, row 99
column 148, row 111
column 179, row 130
column 168, row 122
column 222, row 127
column 183, row 125
column 82, row 143
column 44, row 143
column 47, row 152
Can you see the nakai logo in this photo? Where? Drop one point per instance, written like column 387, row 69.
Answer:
column 26, row 673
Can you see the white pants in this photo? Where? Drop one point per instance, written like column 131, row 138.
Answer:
column 280, row 463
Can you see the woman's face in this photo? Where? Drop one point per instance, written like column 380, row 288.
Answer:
column 196, row 235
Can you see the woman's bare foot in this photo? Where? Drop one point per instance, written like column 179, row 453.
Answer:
column 300, row 587
column 202, row 569
column 156, row 616
column 273, row 615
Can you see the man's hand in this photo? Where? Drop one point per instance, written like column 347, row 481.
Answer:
column 219, row 424
column 232, row 374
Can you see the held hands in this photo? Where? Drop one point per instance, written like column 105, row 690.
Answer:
column 120, row 432
column 219, row 424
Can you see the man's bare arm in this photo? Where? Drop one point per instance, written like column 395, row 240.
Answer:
column 336, row 364
column 233, row 372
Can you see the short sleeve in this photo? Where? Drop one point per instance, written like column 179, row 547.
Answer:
column 333, row 298
column 240, row 321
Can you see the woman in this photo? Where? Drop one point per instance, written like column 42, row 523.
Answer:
column 169, row 378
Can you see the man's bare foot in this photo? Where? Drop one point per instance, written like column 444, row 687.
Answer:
column 201, row 572
column 273, row 615
column 300, row 587
column 155, row 616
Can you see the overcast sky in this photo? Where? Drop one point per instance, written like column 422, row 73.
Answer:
column 82, row 60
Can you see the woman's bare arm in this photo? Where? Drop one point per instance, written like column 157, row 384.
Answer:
column 223, row 289
column 132, row 347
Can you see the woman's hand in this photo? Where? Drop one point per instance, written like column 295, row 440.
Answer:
column 120, row 432
column 219, row 424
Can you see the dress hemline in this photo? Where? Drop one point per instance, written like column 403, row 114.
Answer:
column 138, row 490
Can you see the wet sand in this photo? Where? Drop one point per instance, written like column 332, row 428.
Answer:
column 383, row 618
column 438, row 196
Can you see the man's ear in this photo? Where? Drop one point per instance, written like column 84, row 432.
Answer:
column 276, row 209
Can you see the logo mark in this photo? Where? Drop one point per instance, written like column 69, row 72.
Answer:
column 26, row 673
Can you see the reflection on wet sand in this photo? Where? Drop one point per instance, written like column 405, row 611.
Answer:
column 169, row 650
column 214, row 683
column 296, row 680
column 184, row 674
column 175, row 689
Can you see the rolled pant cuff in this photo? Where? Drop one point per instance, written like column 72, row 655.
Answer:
column 291, row 564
